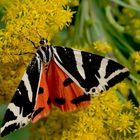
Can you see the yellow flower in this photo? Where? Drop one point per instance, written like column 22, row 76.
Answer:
column 102, row 47
column 137, row 130
column 128, row 105
column 137, row 110
column 136, row 56
column 125, row 123
column 105, row 103
column 112, row 120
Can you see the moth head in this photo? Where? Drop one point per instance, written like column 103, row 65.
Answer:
column 43, row 41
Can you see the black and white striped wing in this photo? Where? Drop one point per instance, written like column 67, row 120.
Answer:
column 19, row 111
column 93, row 73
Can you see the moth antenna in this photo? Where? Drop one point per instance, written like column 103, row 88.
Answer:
column 29, row 40
column 38, row 34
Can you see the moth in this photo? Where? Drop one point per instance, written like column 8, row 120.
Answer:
column 64, row 77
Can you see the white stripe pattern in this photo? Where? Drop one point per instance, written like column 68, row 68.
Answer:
column 55, row 52
column 28, row 86
column 43, row 54
column 19, row 120
column 79, row 62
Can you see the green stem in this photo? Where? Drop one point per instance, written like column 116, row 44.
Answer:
column 134, row 78
column 120, row 2
column 120, row 39
column 112, row 20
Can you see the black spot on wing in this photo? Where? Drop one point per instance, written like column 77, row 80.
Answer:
column 37, row 111
column 23, row 124
column 80, row 99
column 59, row 101
column 41, row 90
column 93, row 90
column 106, row 87
column 67, row 82
column 49, row 101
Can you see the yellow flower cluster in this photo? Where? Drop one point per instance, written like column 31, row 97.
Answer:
column 106, row 118
column 29, row 20
column 102, row 47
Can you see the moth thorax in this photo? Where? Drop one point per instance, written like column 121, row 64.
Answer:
column 45, row 53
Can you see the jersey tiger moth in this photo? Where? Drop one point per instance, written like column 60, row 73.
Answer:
column 59, row 76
